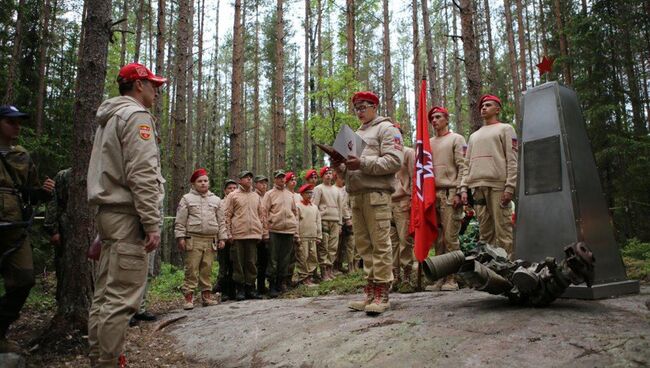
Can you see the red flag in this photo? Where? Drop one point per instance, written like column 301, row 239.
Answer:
column 423, row 200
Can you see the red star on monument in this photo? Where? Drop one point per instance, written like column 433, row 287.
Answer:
column 546, row 66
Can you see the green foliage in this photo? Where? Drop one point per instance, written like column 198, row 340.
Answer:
column 469, row 239
column 636, row 249
column 344, row 284
column 167, row 285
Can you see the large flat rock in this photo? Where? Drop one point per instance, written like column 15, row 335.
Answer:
column 462, row 329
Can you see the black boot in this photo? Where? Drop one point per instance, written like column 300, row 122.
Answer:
column 241, row 294
column 273, row 289
column 251, row 293
column 261, row 285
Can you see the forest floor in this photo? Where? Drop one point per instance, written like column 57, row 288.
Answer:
column 442, row 329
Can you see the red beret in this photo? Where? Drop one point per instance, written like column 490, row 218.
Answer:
column 197, row 173
column 310, row 173
column 439, row 109
column 488, row 98
column 324, row 170
column 288, row 176
column 365, row 96
column 305, row 187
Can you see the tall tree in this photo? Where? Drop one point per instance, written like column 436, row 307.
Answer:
column 12, row 73
column 237, row 159
column 458, row 100
column 279, row 130
column 522, row 43
column 200, row 118
column 306, row 144
column 416, row 53
column 125, row 31
column 160, row 54
column 428, row 42
column 388, row 73
column 256, row 92
column 472, row 64
column 74, row 275
column 139, row 19
column 42, row 63
column 564, row 43
column 512, row 56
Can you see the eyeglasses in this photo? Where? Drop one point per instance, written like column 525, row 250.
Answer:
column 362, row 108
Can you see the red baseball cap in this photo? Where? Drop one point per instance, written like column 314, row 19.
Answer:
column 324, row 170
column 488, row 98
column 310, row 173
column 305, row 187
column 197, row 173
column 134, row 71
column 365, row 96
column 439, row 109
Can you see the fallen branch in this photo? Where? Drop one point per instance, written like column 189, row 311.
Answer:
column 168, row 322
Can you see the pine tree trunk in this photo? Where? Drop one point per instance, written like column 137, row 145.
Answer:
column 279, row 143
column 12, row 72
column 138, row 31
column 542, row 30
column 215, row 132
column 512, row 55
column 564, row 43
column 236, row 157
column 493, row 76
column 189, row 131
column 389, row 102
column 75, row 280
column 529, row 46
column 256, row 92
column 417, row 76
column 428, row 42
column 42, row 62
column 200, row 118
column 160, row 56
column 472, row 64
column 350, row 41
column 125, row 27
column 458, row 101
column 522, row 44
column 633, row 88
column 306, row 143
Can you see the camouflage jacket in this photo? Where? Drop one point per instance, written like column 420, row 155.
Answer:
column 26, row 189
column 56, row 212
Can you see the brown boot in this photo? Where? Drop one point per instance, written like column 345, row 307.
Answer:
column 325, row 274
column 450, row 284
column 360, row 305
column 396, row 280
column 208, row 300
column 189, row 301
column 407, row 281
column 380, row 302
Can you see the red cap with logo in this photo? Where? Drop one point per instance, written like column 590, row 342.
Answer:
column 198, row 173
column 134, row 71
column 439, row 109
column 310, row 173
column 365, row 96
column 324, row 170
column 305, row 187
column 488, row 98
column 289, row 176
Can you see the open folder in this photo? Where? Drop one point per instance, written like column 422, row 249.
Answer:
column 347, row 143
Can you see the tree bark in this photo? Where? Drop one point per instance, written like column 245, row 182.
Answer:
column 350, row 39
column 279, row 143
column 42, row 62
column 512, row 55
column 417, row 76
column 200, row 111
column 256, row 92
column 189, row 131
column 160, row 55
column 236, row 158
column 428, row 42
column 522, row 44
column 389, row 102
column 138, row 31
column 564, row 43
column 306, row 143
column 472, row 63
column 75, row 280
column 125, row 28
column 458, row 100
column 493, row 76
column 12, row 72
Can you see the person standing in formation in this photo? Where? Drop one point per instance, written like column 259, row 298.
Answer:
column 224, row 284
column 330, row 204
column 244, row 222
column 447, row 149
column 126, row 185
column 403, row 256
column 491, row 175
column 281, row 217
column 311, row 177
column 291, row 182
column 199, row 230
column 261, row 186
column 310, row 232
column 369, row 180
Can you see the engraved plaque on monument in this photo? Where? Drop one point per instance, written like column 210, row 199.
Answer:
column 560, row 198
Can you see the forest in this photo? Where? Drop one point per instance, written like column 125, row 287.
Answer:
column 254, row 84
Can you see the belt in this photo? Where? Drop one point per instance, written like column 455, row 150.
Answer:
column 201, row 236
column 118, row 208
column 9, row 190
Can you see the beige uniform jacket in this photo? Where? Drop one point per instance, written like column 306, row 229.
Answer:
column 280, row 211
column 124, row 170
column 200, row 214
column 309, row 223
column 492, row 158
column 448, row 160
column 329, row 202
column 244, row 216
column 347, row 211
column 404, row 180
column 380, row 160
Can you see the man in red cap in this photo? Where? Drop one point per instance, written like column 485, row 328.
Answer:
column 491, row 174
column 449, row 165
column 199, row 230
column 126, row 185
column 369, row 180
column 310, row 233
column 329, row 201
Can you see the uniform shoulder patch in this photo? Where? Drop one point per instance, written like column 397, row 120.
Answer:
column 145, row 132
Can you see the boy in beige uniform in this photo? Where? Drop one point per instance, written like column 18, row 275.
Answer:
column 403, row 256
column 125, row 183
column 492, row 175
column 310, row 232
column 199, row 230
column 447, row 149
column 245, row 223
column 346, row 252
column 369, row 180
column 330, row 204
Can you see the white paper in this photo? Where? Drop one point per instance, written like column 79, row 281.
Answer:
column 348, row 142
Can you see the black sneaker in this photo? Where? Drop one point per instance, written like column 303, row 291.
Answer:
column 145, row 316
column 133, row 322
